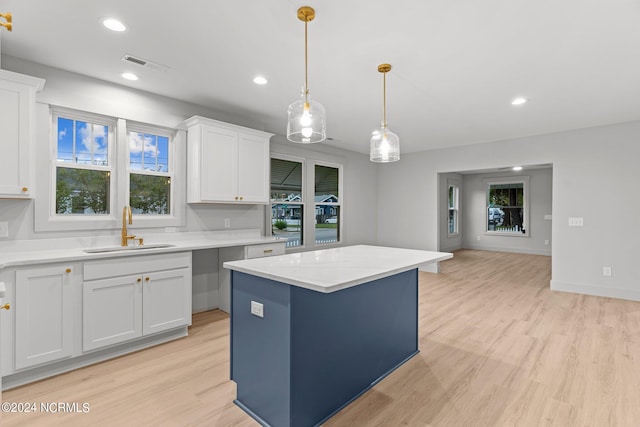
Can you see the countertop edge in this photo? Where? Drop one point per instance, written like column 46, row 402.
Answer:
column 78, row 254
column 323, row 288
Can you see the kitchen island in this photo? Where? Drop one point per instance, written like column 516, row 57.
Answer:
column 312, row 331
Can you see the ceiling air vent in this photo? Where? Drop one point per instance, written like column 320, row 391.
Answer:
column 144, row 63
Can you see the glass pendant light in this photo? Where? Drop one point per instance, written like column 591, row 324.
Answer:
column 307, row 119
column 384, row 144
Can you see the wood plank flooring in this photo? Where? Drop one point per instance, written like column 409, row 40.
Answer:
column 498, row 348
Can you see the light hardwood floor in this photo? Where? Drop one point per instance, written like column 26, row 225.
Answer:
column 498, row 348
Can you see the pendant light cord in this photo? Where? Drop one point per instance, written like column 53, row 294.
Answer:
column 306, row 65
column 384, row 98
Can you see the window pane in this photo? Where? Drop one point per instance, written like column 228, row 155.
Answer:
column 91, row 144
column 148, row 152
column 82, row 191
column 149, row 194
column 287, row 222
column 326, row 184
column 286, row 181
column 162, row 164
column 453, row 221
column 65, row 140
column 82, row 143
column 451, row 200
column 505, row 212
column 327, row 223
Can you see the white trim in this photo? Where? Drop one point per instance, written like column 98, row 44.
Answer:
column 597, row 290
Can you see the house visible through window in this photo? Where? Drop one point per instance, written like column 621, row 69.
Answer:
column 149, row 173
column 453, row 209
column 287, row 204
column 327, row 204
column 83, row 172
column 506, row 207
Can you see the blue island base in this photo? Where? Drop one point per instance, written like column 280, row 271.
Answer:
column 313, row 353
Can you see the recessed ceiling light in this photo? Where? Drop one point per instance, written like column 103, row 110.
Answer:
column 129, row 76
column 519, row 101
column 114, row 25
column 517, row 168
column 259, row 80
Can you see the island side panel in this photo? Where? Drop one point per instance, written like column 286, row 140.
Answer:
column 260, row 348
column 344, row 342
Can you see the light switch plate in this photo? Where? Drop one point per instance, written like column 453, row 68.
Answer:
column 4, row 229
column 257, row 309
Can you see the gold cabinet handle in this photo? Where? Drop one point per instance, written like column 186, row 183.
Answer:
column 267, row 251
column 138, row 280
column 7, row 306
column 68, row 270
column 241, row 197
column 25, row 189
column 146, row 279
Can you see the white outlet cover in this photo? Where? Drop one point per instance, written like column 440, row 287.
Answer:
column 257, row 309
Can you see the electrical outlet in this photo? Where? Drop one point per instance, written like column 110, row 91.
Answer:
column 4, row 229
column 576, row 222
column 227, row 222
column 257, row 309
column 606, row 271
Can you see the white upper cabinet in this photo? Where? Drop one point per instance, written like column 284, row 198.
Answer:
column 17, row 105
column 226, row 163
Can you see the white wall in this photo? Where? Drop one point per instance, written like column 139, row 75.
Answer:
column 539, row 229
column 595, row 176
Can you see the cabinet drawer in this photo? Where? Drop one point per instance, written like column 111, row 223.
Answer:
column 137, row 264
column 268, row 249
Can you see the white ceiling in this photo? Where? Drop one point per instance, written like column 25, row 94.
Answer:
column 457, row 64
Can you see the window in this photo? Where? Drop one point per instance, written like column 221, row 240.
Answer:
column 83, row 170
column 453, row 197
column 150, row 172
column 102, row 164
column 327, row 204
column 507, row 206
column 287, row 203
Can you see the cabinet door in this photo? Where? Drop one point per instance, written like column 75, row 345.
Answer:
column 218, row 164
column 111, row 311
column 253, row 169
column 166, row 300
column 15, row 111
column 43, row 315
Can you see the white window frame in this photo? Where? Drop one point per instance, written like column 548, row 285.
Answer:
column 176, row 198
column 456, row 207
column 45, row 217
column 338, row 203
column 518, row 179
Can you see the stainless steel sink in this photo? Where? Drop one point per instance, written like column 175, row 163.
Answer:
column 128, row 248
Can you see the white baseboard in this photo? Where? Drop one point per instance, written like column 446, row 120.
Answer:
column 503, row 249
column 626, row 294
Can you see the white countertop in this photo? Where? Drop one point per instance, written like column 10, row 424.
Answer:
column 331, row 270
column 42, row 251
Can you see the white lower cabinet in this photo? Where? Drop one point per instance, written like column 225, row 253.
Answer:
column 153, row 295
column 44, row 312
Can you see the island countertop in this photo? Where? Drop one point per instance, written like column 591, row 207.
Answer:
column 330, row 270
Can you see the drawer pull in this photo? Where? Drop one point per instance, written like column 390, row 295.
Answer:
column 68, row 270
column 25, row 189
column 146, row 279
column 267, row 251
column 138, row 280
column 7, row 306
